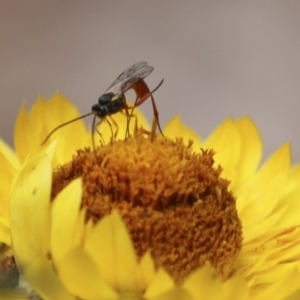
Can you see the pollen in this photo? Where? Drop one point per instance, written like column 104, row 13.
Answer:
column 173, row 200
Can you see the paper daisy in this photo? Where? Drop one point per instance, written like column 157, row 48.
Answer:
column 163, row 219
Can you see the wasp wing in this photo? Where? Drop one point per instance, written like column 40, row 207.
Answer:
column 129, row 78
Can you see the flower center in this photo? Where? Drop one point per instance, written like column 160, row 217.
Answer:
column 172, row 200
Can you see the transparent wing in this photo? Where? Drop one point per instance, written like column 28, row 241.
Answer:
column 130, row 77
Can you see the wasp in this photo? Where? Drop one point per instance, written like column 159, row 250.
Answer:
column 114, row 101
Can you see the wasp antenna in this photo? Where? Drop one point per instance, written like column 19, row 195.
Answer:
column 62, row 125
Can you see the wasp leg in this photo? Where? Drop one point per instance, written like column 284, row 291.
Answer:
column 155, row 122
column 129, row 116
column 142, row 90
column 141, row 129
column 113, row 135
column 135, row 130
column 101, row 137
column 94, row 128
column 110, row 127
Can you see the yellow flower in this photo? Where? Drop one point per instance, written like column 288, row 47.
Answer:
column 30, row 131
column 103, row 225
column 268, row 206
column 80, row 259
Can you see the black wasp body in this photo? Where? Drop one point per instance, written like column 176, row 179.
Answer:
column 108, row 104
column 113, row 100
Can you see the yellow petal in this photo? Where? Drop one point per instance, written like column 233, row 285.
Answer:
column 80, row 227
column 70, row 137
column 259, row 198
column 177, row 293
column 205, row 281
column 145, row 272
column 176, row 129
column 226, row 142
column 30, row 129
column 30, row 230
column 291, row 199
column 235, row 288
column 258, row 235
column 267, row 263
column 59, row 110
column 282, row 285
column 7, row 172
column 4, row 232
column 41, row 276
column 31, row 194
column 80, row 275
column 161, row 284
column 296, row 294
column 64, row 216
column 22, row 136
column 251, row 150
column 9, row 154
column 37, row 123
column 284, row 246
column 110, row 246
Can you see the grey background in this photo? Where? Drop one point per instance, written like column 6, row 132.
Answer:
column 218, row 58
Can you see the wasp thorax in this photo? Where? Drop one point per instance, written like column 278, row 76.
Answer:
column 105, row 98
column 173, row 201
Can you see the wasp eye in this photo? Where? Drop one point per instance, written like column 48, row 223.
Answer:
column 100, row 110
column 105, row 98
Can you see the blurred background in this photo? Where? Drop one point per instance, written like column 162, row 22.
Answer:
column 218, row 59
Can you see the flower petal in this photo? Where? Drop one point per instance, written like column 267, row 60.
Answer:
column 35, row 116
column 145, row 272
column 80, row 275
column 30, row 230
column 268, row 184
column 177, row 293
column 161, row 284
column 65, row 216
column 290, row 199
column 251, row 150
column 110, row 246
column 58, row 111
column 176, row 129
column 269, row 261
column 278, row 283
column 22, row 136
column 41, row 276
column 4, row 232
column 9, row 154
column 7, row 172
column 31, row 194
column 205, row 282
column 226, row 142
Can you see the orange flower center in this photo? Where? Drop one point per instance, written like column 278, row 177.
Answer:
column 172, row 200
